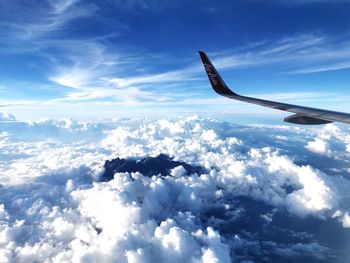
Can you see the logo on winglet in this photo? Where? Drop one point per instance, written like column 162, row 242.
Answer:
column 211, row 73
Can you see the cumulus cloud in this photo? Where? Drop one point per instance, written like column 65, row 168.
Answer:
column 318, row 146
column 346, row 220
column 331, row 141
column 6, row 117
column 251, row 190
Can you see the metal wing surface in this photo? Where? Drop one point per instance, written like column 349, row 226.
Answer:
column 302, row 115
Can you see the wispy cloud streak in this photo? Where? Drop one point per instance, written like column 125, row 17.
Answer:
column 300, row 54
column 94, row 68
column 30, row 20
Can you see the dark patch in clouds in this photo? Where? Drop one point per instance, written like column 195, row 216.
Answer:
column 160, row 165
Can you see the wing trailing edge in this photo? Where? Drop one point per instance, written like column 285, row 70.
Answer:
column 303, row 115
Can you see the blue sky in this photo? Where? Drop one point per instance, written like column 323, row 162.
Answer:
column 114, row 58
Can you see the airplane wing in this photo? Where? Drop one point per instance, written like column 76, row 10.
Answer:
column 302, row 115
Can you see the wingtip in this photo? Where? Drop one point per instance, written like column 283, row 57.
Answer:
column 215, row 80
column 203, row 56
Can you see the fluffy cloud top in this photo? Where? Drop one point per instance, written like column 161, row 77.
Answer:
column 256, row 198
column 6, row 117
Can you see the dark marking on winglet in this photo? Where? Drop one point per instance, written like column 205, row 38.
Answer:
column 215, row 80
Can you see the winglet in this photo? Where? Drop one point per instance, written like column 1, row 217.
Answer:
column 215, row 80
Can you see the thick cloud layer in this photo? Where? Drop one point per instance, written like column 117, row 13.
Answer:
column 258, row 193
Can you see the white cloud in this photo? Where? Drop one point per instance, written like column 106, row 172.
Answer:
column 6, row 117
column 301, row 54
column 40, row 19
column 208, row 135
column 346, row 220
column 92, row 70
column 172, row 76
column 49, row 200
column 63, row 5
column 330, row 141
column 74, row 78
column 319, row 146
column 328, row 67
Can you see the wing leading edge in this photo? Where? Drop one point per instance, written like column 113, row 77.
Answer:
column 303, row 115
